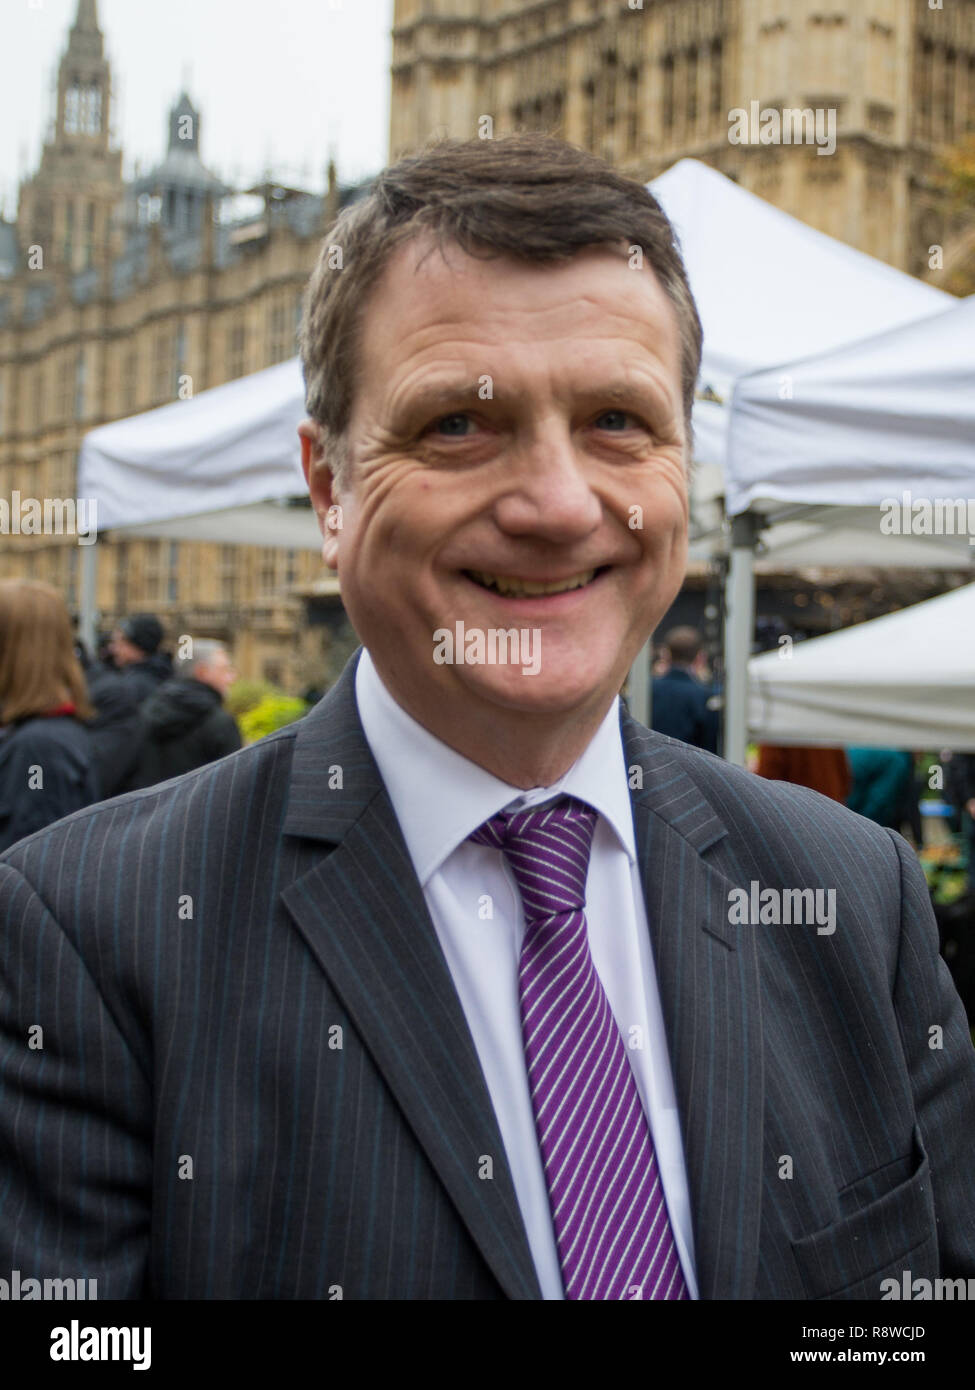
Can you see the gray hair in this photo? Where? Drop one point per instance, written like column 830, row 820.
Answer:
column 203, row 650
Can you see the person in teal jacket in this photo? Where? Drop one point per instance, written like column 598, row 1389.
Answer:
column 883, row 782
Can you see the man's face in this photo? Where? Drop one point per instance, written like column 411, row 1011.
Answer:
column 124, row 652
column 219, row 672
column 519, row 423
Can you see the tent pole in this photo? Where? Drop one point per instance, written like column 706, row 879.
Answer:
column 639, row 697
column 739, row 625
column 88, row 596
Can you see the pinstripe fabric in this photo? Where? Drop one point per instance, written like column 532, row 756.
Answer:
column 254, row 1078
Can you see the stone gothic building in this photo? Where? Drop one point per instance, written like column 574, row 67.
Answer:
column 646, row 82
column 111, row 294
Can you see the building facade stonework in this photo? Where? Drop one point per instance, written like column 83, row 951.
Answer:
column 116, row 298
column 647, row 82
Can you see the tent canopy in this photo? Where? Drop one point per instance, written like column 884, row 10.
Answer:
column 906, row 680
column 207, row 468
column 894, row 413
column 770, row 289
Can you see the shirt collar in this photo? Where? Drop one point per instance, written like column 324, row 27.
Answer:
column 440, row 796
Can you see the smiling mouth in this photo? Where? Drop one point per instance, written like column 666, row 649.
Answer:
column 510, row 587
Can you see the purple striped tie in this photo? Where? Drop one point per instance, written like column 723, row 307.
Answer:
column 611, row 1225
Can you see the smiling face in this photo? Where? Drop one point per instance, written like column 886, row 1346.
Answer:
column 517, row 429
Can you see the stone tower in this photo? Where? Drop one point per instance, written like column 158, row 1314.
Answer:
column 182, row 183
column 67, row 207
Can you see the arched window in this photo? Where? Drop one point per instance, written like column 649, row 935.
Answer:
column 72, row 109
column 83, row 109
column 91, row 110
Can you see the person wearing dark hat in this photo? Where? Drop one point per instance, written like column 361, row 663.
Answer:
column 135, row 651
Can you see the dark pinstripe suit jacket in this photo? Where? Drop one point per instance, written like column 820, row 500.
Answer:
column 256, row 1079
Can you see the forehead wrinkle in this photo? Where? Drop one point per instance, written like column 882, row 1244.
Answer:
column 533, row 383
column 466, row 296
column 433, row 381
column 486, row 325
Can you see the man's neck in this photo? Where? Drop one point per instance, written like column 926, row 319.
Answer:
column 521, row 747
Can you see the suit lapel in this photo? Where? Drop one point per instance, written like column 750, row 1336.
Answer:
column 709, row 990
column 362, row 912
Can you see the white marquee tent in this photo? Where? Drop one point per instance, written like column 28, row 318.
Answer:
column 888, row 420
column 770, row 289
column 886, row 415
column 220, row 466
column 906, row 680
column 227, row 450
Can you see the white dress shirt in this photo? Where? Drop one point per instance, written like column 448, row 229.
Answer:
column 439, row 797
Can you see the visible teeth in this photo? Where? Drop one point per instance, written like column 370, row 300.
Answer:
column 513, row 588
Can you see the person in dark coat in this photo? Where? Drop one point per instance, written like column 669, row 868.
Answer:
column 116, row 729
column 184, row 722
column 46, row 764
column 682, row 706
column 135, row 651
column 960, row 793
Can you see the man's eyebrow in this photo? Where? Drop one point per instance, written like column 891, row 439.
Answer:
column 451, row 392
column 651, row 394
column 624, row 388
column 442, row 393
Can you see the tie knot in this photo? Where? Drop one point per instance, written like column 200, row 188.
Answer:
column 548, row 850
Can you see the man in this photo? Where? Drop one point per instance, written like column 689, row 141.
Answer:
column 130, row 669
column 185, row 723
column 115, row 729
column 682, row 705
column 444, row 991
column 135, row 652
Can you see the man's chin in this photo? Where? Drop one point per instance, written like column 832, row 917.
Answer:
column 547, row 690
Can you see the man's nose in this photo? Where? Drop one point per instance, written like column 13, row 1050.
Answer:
column 547, row 489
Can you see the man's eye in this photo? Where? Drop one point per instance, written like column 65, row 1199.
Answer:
column 453, row 425
column 615, row 420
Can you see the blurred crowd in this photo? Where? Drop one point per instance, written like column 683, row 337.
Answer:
column 77, row 727
column 887, row 785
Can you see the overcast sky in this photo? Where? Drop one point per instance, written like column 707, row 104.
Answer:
column 278, row 82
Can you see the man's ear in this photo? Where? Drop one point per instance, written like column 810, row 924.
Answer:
column 321, row 488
